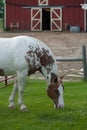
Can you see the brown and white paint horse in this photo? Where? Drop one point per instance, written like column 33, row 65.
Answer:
column 23, row 55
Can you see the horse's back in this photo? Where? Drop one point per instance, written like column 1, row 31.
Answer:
column 21, row 52
column 21, row 41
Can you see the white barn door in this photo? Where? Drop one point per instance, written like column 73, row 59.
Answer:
column 36, row 19
column 56, row 19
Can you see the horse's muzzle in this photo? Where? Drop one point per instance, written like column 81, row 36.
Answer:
column 57, row 106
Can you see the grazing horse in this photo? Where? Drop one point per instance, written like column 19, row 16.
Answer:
column 23, row 55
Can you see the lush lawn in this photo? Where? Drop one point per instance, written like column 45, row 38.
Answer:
column 41, row 114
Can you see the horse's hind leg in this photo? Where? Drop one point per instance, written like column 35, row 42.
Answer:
column 12, row 96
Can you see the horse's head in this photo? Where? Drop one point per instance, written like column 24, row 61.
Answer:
column 55, row 92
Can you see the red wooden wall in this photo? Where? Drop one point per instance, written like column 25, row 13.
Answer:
column 50, row 2
column 17, row 14
column 73, row 16
column 72, row 13
column 65, row 2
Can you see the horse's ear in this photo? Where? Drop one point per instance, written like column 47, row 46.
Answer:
column 61, row 77
column 54, row 78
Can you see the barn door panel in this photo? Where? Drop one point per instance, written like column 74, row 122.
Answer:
column 43, row 2
column 56, row 19
column 36, row 16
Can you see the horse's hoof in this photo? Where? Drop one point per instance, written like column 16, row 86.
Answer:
column 23, row 108
column 11, row 106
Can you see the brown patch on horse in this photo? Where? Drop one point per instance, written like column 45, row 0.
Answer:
column 36, row 58
column 52, row 90
column 45, row 58
column 41, row 55
column 33, row 70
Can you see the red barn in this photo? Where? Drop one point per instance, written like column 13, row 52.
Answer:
column 38, row 15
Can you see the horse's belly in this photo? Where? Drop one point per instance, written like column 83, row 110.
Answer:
column 7, row 71
column 6, row 65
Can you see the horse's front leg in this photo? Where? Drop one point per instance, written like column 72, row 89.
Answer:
column 12, row 96
column 21, row 84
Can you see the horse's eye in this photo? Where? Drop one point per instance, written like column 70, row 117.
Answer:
column 56, row 91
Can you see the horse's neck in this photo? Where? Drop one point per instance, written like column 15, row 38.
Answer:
column 48, row 72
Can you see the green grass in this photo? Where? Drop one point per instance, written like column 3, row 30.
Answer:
column 41, row 114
